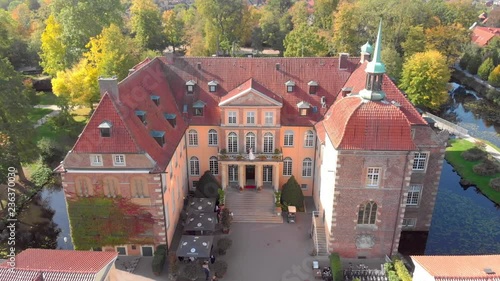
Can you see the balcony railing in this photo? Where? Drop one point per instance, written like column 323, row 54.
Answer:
column 276, row 157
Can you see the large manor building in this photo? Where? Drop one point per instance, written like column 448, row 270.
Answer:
column 339, row 125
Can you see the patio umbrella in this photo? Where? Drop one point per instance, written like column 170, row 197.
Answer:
column 200, row 222
column 195, row 246
column 201, row 205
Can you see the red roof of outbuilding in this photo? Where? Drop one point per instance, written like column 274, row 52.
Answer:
column 461, row 267
column 482, row 35
column 44, row 260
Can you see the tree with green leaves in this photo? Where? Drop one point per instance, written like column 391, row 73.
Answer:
column 207, row 186
column 415, row 41
column 275, row 27
column 485, row 69
column 291, row 194
column 145, row 22
column 425, row 77
column 323, row 13
column 15, row 126
column 346, row 37
column 393, row 62
column 447, row 39
column 53, row 55
column 305, row 41
column 173, row 28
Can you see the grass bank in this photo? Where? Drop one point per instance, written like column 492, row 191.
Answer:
column 464, row 168
column 37, row 114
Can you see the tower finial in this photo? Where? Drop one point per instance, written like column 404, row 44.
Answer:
column 376, row 65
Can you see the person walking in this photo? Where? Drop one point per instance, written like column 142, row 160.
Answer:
column 212, row 259
column 206, row 269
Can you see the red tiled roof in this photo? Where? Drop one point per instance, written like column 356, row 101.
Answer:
column 232, row 72
column 141, row 64
column 251, row 84
column 43, row 260
column 460, row 267
column 19, row 275
column 482, row 35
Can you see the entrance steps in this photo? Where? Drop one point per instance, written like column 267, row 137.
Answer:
column 322, row 245
column 252, row 206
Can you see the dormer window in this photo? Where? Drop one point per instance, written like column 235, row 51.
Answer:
column 156, row 100
column 105, row 129
column 313, row 87
column 303, row 108
column 198, row 108
column 190, row 86
column 170, row 118
column 159, row 137
column 212, row 86
column 141, row 114
column 290, row 85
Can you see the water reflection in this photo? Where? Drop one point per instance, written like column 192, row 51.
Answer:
column 56, row 200
column 464, row 221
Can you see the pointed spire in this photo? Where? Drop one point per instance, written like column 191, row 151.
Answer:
column 376, row 65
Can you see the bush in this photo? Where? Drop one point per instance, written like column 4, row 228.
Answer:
column 42, row 175
column 336, row 266
column 494, row 77
column 51, row 151
column 207, row 186
column 159, row 259
column 474, row 154
column 291, row 194
column 486, row 168
column 220, row 268
column 495, row 184
column 402, row 271
column 474, row 63
column 485, row 69
column 223, row 244
column 226, row 218
column 192, row 271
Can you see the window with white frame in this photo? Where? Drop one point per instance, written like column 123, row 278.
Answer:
column 96, row 160
column 118, row 160
column 409, row 222
column 194, row 166
column 372, row 176
column 268, row 143
column 231, row 117
column 420, row 161
column 232, row 143
column 287, row 166
column 309, row 139
column 269, row 118
column 250, row 142
column 214, row 166
column 233, row 173
column 212, row 137
column 288, row 138
column 251, row 118
column 193, row 138
column 307, row 167
column 414, row 195
column 367, row 213
column 267, row 173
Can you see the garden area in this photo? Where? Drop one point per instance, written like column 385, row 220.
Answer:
column 475, row 167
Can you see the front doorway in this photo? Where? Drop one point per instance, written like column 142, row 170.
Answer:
column 147, row 251
column 250, row 176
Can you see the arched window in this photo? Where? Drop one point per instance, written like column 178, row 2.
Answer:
column 232, row 143
column 268, row 143
column 194, row 166
column 287, row 166
column 250, row 142
column 193, row 138
column 288, row 138
column 309, row 139
column 307, row 167
column 214, row 165
column 212, row 137
column 83, row 187
column 139, row 187
column 367, row 213
column 111, row 186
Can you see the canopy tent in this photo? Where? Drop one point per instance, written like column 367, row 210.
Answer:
column 195, row 246
column 197, row 221
column 201, row 205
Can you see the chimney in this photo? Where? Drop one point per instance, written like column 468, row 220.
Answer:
column 343, row 60
column 346, row 91
column 109, row 85
column 130, row 71
column 365, row 57
column 170, row 56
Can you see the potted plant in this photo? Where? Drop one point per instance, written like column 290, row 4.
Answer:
column 220, row 268
column 278, row 208
column 192, row 271
column 262, row 157
column 223, row 151
column 159, row 259
column 223, row 244
column 222, row 196
column 239, row 157
column 226, row 220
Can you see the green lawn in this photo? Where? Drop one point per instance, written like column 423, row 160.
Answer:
column 464, row 168
column 46, row 98
column 37, row 113
column 81, row 114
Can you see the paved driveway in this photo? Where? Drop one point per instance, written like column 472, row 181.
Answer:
column 271, row 252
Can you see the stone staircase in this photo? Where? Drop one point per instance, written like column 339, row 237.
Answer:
column 251, row 206
column 321, row 236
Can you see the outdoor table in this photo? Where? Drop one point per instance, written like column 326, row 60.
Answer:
column 201, row 222
column 195, row 246
column 205, row 205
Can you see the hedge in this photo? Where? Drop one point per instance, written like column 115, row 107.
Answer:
column 159, row 259
column 336, row 266
column 402, row 271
